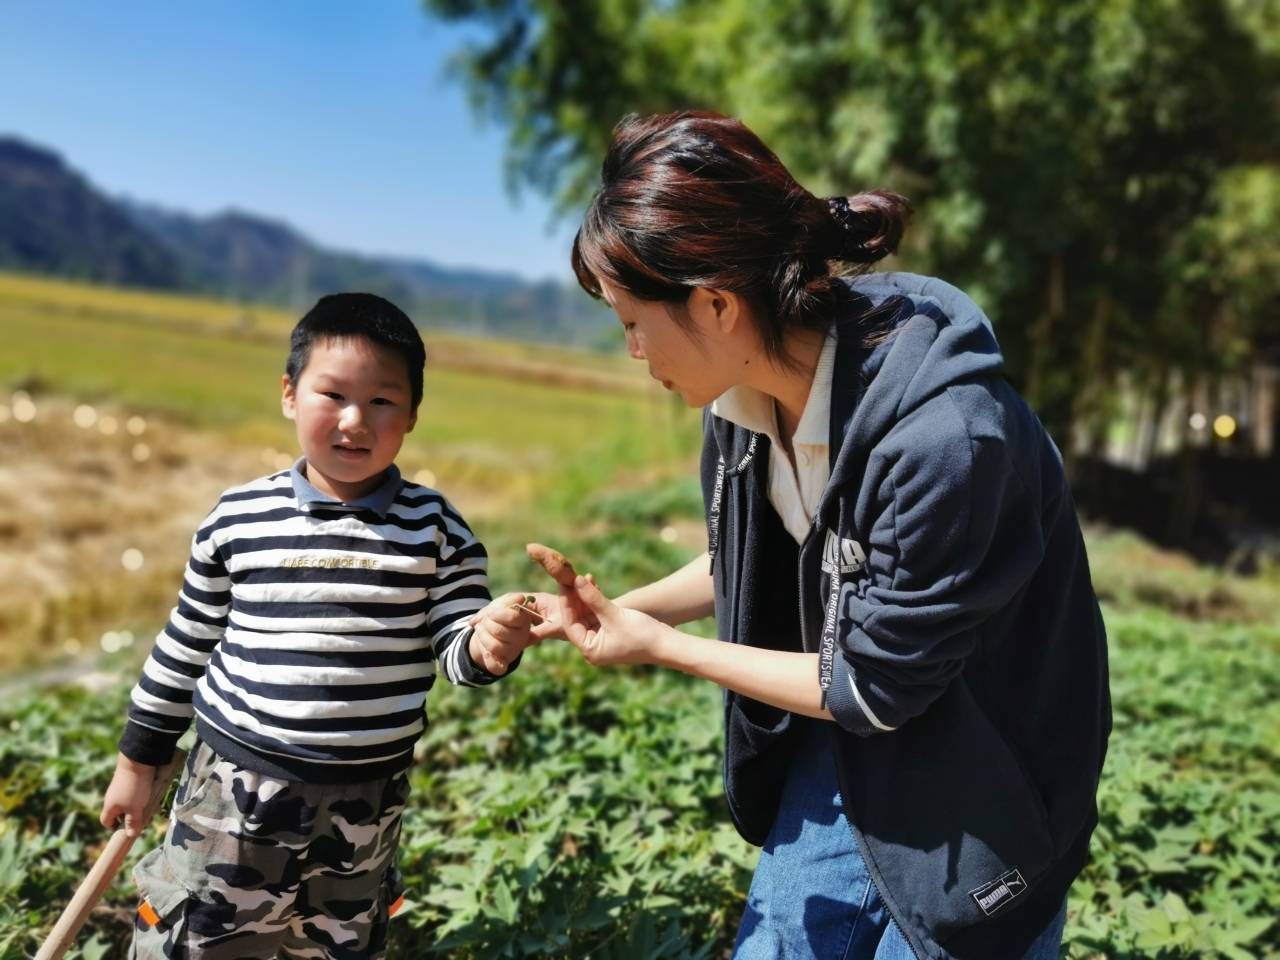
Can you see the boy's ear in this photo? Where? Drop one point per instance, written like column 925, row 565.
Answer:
column 288, row 397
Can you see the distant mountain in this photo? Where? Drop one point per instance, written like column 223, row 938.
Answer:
column 52, row 220
column 242, row 256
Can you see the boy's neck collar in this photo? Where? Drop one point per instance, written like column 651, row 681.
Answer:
column 379, row 500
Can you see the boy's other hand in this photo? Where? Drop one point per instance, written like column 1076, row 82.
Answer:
column 127, row 795
column 503, row 629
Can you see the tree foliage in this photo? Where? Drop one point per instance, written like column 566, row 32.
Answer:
column 1101, row 174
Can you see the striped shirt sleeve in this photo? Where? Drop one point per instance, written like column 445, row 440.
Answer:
column 461, row 589
column 160, row 705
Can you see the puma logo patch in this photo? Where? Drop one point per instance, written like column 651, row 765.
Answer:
column 990, row 897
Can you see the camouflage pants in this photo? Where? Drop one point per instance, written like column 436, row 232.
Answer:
column 253, row 866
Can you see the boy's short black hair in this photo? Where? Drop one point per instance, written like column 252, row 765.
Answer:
column 359, row 315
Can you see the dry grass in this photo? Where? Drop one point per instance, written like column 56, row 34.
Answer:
column 73, row 500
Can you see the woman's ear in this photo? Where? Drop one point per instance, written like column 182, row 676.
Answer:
column 715, row 309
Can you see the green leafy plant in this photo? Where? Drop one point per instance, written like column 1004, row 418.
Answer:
column 573, row 812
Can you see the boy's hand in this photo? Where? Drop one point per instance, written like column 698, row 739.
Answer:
column 503, row 629
column 127, row 795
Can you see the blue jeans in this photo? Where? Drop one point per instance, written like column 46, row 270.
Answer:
column 811, row 896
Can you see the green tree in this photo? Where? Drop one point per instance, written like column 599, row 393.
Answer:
column 1099, row 173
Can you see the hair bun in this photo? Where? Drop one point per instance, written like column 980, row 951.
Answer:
column 870, row 225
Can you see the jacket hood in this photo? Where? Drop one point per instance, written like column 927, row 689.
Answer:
column 938, row 337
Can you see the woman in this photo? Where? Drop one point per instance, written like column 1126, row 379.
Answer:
column 916, row 701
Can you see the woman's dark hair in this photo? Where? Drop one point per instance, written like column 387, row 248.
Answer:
column 343, row 315
column 695, row 199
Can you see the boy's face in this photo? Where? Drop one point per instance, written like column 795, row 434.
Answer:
column 352, row 405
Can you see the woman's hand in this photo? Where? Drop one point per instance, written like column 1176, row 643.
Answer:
column 548, row 624
column 605, row 633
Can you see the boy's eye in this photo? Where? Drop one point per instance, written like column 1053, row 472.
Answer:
column 381, row 402
column 331, row 395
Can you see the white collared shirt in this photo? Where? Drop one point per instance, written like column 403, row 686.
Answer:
column 795, row 490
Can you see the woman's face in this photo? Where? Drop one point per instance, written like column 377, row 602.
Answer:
column 690, row 364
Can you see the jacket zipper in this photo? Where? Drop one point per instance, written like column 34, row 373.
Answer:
column 804, row 630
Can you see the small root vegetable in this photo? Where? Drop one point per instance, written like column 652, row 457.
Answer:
column 554, row 562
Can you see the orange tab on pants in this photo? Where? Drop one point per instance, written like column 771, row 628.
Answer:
column 391, row 911
column 149, row 916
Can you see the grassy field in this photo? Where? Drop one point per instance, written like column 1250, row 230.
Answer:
column 199, row 363
column 506, row 430
column 568, row 812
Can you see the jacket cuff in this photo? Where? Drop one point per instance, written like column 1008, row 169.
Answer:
column 145, row 745
column 847, row 704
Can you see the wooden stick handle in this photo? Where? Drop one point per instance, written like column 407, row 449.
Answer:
column 105, row 868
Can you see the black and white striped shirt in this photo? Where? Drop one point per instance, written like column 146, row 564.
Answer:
column 309, row 631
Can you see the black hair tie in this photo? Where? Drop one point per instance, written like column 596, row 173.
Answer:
column 860, row 238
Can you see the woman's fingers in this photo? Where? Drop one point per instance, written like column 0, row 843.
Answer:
column 593, row 597
column 590, row 629
column 576, row 616
column 546, row 631
column 608, row 634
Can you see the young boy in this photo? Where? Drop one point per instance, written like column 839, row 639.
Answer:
column 317, row 607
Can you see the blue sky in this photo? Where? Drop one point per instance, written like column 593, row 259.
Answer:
column 336, row 117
